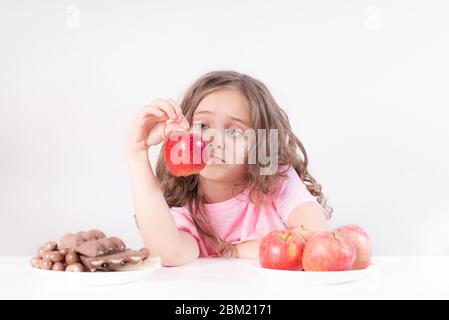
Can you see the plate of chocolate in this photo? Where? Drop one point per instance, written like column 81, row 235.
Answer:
column 90, row 258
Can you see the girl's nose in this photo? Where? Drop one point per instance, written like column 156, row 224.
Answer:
column 218, row 140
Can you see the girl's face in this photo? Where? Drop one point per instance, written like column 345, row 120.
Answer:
column 222, row 117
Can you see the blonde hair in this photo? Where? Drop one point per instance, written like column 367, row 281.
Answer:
column 265, row 114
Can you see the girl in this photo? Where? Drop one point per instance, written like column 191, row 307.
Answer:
column 228, row 207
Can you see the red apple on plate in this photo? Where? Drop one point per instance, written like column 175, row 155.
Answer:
column 362, row 244
column 328, row 251
column 282, row 249
column 184, row 153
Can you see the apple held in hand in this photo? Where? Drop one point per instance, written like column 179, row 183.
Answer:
column 328, row 251
column 362, row 244
column 184, row 153
column 282, row 249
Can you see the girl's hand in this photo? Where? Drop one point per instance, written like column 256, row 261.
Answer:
column 247, row 250
column 153, row 124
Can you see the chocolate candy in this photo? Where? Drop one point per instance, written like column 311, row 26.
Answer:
column 88, row 251
column 53, row 256
column 72, row 240
column 75, row 267
column 46, row 265
column 36, row 262
column 50, row 246
column 72, row 257
column 114, row 262
column 58, row 266
column 101, row 247
column 46, row 255
column 40, row 251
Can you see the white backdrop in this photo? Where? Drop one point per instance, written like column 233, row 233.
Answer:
column 365, row 84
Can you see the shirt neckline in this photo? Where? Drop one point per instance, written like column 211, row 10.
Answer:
column 232, row 202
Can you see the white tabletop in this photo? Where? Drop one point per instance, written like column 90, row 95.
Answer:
column 393, row 277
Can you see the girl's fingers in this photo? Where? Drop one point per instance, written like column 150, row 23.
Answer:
column 147, row 113
column 172, row 126
column 167, row 108
column 181, row 118
column 152, row 110
column 177, row 108
column 164, row 110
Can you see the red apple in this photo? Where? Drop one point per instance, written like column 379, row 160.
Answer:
column 282, row 249
column 328, row 251
column 303, row 232
column 184, row 153
column 362, row 244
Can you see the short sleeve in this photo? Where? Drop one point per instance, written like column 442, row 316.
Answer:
column 291, row 193
column 185, row 223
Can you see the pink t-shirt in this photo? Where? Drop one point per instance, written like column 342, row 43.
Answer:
column 238, row 219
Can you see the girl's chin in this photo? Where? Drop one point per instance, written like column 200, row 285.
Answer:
column 221, row 172
column 212, row 170
column 214, row 161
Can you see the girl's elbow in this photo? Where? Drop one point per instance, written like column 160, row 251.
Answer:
column 176, row 260
column 179, row 258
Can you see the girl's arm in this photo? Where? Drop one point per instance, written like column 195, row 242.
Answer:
column 156, row 224
column 310, row 215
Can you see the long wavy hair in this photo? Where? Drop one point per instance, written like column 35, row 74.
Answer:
column 265, row 114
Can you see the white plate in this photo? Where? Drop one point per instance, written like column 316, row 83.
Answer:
column 100, row 278
column 314, row 277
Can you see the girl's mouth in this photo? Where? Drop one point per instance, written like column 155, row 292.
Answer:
column 215, row 160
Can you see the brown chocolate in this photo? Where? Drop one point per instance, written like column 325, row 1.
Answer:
column 36, row 262
column 75, row 267
column 100, row 247
column 46, row 265
column 72, row 240
column 58, row 266
column 46, row 255
column 55, row 256
column 50, row 246
column 40, row 251
column 88, row 251
column 72, row 257
column 116, row 261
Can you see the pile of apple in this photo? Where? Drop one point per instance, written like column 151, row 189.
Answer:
column 342, row 249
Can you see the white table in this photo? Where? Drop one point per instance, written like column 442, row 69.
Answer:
column 394, row 277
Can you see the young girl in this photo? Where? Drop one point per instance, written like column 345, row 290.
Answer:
column 228, row 207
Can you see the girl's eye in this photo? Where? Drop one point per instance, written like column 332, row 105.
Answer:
column 234, row 132
column 200, row 125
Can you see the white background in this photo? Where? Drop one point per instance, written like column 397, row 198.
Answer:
column 365, row 84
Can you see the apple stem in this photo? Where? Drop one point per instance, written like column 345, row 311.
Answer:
column 337, row 237
column 285, row 236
